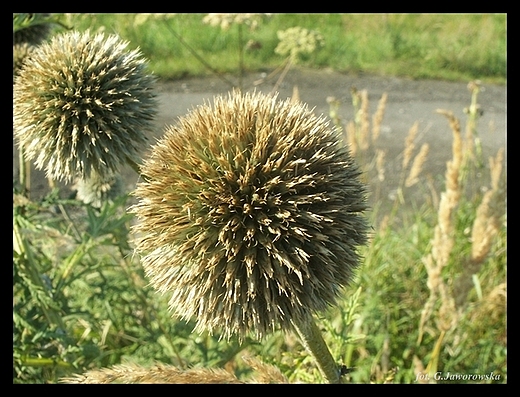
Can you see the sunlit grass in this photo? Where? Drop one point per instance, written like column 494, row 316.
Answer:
column 438, row 46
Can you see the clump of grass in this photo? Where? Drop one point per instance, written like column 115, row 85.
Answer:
column 486, row 225
column 435, row 311
column 361, row 134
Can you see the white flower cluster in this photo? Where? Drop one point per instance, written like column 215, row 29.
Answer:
column 225, row 20
column 298, row 40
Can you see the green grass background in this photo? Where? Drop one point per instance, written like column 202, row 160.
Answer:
column 439, row 46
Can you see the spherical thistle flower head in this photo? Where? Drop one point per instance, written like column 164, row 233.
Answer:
column 250, row 214
column 83, row 103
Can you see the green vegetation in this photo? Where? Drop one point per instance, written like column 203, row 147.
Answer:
column 429, row 299
column 439, row 46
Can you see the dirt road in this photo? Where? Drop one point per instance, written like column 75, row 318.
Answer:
column 408, row 101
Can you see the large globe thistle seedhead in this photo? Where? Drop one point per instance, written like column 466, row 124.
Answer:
column 250, row 214
column 83, row 103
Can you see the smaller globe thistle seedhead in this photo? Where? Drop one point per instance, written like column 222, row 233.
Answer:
column 250, row 214
column 83, row 103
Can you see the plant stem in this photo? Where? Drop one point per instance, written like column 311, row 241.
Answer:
column 312, row 340
column 282, row 76
column 25, row 172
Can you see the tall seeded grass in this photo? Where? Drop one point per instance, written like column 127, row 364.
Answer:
column 434, row 278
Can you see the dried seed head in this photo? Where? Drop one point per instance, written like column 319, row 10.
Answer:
column 82, row 103
column 250, row 214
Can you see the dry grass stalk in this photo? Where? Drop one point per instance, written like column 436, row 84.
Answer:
column 495, row 165
column 417, row 166
column 351, row 138
column 453, row 188
column 159, row 373
column 264, row 373
column 363, row 121
column 295, row 95
column 377, row 118
column 442, row 242
column 433, row 282
column 380, row 164
column 434, row 194
column 383, row 225
column 409, row 144
column 489, row 213
column 419, row 370
column 473, row 112
column 485, row 228
column 334, row 105
column 168, row 374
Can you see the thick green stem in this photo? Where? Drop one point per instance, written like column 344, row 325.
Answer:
column 313, row 341
column 25, row 172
